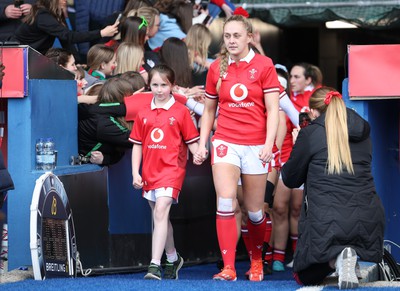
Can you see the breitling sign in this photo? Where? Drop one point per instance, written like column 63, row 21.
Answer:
column 53, row 241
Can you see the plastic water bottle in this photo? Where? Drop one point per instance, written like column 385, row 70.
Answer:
column 39, row 154
column 49, row 162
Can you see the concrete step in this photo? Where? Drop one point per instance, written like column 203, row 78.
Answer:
column 369, row 272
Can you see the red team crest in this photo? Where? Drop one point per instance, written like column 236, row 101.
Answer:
column 222, row 150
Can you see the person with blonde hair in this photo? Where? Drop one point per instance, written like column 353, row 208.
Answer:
column 130, row 58
column 152, row 17
column 342, row 216
column 246, row 88
column 198, row 40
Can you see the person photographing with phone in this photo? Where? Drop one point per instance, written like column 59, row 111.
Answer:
column 45, row 22
column 342, row 216
column 6, row 183
column 11, row 14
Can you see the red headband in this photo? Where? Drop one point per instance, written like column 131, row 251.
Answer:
column 241, row 11
column 329, row 96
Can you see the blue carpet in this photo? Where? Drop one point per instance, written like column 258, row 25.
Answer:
column 190, row 278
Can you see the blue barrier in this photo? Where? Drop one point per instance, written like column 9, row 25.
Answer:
column 384, row 118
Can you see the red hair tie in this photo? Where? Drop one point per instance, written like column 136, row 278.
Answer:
column 329, row 96
column 241, row 11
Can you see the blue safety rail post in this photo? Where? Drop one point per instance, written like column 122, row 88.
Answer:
column 383, row 116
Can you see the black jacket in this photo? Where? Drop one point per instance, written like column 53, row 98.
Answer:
column 6, row 183
column 100, row 130
column 7, row 25
column 338, row 210
column 42, row 33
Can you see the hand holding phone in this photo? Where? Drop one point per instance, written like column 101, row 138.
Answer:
column 304, row 119
column 118, row 18
column 18, row 3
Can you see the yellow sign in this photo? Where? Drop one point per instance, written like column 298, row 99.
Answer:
column 54, row 206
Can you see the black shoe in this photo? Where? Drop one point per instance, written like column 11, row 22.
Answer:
column 267, row 268
column 220, row 264
column 153, row 272
column 171, row 269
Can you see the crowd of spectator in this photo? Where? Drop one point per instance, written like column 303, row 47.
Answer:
column 121, row 50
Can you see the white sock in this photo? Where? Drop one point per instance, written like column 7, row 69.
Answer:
column 172, row 257
column 157, row 262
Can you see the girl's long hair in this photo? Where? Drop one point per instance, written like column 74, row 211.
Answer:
column 337, row 135
column 130, row 31
column 174, row 53
column 129, row 57
column 114, row 90
column 50, row 5
column 98, row 54
column 198, row 41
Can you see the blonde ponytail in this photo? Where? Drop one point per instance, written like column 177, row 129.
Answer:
column 330, row 101
column 223, row 65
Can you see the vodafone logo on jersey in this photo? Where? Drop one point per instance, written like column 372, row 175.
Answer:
column 157, row 135
column 239, row 92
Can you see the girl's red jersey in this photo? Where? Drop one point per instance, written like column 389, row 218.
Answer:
column 164, row 134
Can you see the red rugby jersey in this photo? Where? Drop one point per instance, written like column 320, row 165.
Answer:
column 164, row 134
column 242, row 112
